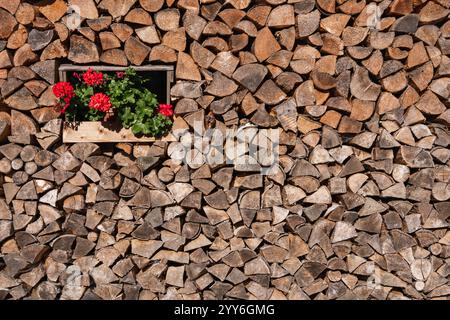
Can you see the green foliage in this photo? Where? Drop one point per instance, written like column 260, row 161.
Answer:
column 133, row 104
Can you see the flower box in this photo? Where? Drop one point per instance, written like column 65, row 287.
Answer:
column 160, row 78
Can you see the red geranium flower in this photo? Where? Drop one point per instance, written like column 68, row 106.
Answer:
column 100, row 102
column 63, row 89
column 165, row 110
column 120, row 74
column 65, row 92
column 93, row 78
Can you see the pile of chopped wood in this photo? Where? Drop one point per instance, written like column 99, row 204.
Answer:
column 358, row 208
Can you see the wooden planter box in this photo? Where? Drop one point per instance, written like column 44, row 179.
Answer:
column 161, row 77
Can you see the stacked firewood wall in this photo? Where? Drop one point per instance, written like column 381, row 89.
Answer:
column 359, row 206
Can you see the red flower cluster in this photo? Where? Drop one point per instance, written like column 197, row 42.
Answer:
column 64, row 91
column 93, row 78
column 120, row 74
column 100, row 102
column 165, row 110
